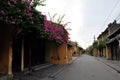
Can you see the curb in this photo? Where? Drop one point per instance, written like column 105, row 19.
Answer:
column 38, row 67
column 109, row 65
column 57, row 72
column 52, row 76
column 42, row 67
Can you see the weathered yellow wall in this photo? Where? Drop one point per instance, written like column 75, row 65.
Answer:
column 5, row 44
column 49, row 51
column 95, row 52
column 69, row 52
column 98, row 52
column 75, row 49
column 108, row 53
column 55, row 54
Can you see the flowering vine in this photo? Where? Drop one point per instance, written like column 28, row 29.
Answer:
column 56, row 31
column 20, row 14
column 25, row 19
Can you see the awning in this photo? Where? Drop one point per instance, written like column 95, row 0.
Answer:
column 116, row 38
column 110, row 40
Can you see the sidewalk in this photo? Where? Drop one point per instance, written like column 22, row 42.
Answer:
column 38, row 74
column 43, row 74
column 111, row 63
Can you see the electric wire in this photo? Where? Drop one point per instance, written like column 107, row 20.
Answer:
column 111, row 12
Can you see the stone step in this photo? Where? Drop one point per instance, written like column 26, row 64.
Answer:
column 38, row 67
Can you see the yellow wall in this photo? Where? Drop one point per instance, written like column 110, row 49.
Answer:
column 75, row 49
column 69, row 52
column 5, row 50
column 55, row 54
column 108, row 53
column 95, row 52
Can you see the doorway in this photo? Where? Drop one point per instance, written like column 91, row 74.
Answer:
column 16, row 48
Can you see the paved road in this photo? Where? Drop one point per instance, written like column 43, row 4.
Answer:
column 87, row 68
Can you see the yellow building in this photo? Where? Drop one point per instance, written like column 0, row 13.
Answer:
column 18, row 55
column 76, row 49
column 102, row 37
column 70, row 50
column 112, row 44
column 6, row 50
column 111, row 49
column 56, row 54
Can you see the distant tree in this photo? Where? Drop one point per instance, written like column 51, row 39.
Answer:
column 101, row 45
column 90, row 49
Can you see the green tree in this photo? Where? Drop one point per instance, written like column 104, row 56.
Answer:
column 101, row 45
column 91, row 50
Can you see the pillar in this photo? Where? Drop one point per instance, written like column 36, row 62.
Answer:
column 10, row 59
column 22, row 57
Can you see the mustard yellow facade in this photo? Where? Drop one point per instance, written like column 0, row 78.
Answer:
column 53, row 53
column 56, row 54
column 70, row 52
column 6, row 50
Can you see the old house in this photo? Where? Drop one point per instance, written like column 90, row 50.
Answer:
column 22, row 53
column 101, row 43
column 76, row 51
column 56, row 54
column 113, row 47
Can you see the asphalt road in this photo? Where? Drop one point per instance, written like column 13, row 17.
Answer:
column 87, row 68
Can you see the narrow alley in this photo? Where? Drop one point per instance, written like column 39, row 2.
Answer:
column 59, row 39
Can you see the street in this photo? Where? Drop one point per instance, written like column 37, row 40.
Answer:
column 87, row 68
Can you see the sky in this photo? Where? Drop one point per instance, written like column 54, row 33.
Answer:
column 88, row 17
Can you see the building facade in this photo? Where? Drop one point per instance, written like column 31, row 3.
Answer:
column 113, row 40
column 112, row 47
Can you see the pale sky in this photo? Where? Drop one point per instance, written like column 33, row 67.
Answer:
column 87, row 17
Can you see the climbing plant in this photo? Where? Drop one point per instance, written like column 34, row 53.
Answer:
column 101, row 45
column 56, row 31
column 22, row 16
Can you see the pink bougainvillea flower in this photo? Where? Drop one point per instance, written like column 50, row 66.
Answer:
column 9, row 2
column 56, row 32
column 19, row 31
column 27, row 1
column 13, row 22
column 25, row 13
column 15, row 2
column 2, row 12
column 31, row 17
column 29, row 8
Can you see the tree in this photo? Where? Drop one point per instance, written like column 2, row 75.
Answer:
column 101, row 45
column 90, row 49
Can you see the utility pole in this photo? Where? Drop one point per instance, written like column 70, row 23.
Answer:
column 94, row 38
